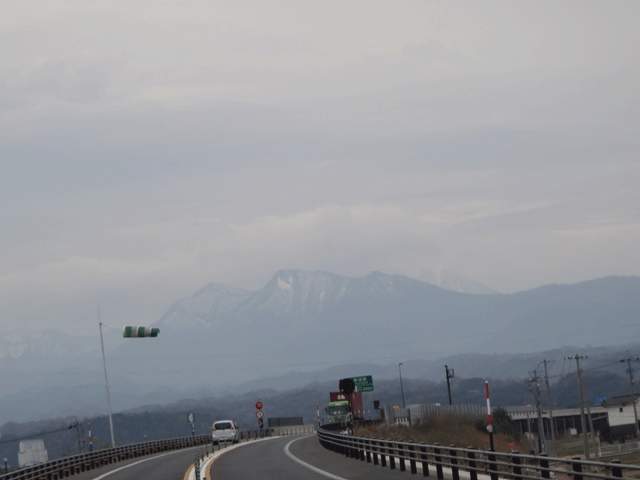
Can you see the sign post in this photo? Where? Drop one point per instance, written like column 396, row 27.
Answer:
column 260, row 414
column 191, row 418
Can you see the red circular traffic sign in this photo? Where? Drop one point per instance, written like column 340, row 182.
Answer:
column 259, row 414
column 258, row 405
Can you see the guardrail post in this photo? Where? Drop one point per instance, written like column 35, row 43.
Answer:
column 616, row 471
column 401, row 453
column 367, row 444
column 361, row 444
column 438, row 461
column 577, row 468
column 412, row 461
column 492, row 466
column 423, row 458
column 383, row 454
column 517, row 469
column 544, row 465
column 392, row 460
column 471, row 460
column 374, row 448
column 455, row 472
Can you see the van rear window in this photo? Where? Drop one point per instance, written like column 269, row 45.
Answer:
column 222, row 426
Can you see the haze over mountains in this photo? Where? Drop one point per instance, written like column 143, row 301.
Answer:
column 309, row 322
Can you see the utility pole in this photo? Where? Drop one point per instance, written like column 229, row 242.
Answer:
column 449, row 375
column 553, row 425
column 583, row 421
column 534, row 387
column 633, row 390
column 401, row 389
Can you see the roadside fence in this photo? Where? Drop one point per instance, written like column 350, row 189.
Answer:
column 478, row 464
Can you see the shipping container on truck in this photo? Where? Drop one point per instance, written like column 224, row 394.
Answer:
column 355, row 399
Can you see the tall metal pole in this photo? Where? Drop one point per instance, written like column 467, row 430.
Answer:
column 449, row 375
column 106, row 381
column 401, row 389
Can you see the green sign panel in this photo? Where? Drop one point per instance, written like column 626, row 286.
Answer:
column 364, row 383
column 191, row 418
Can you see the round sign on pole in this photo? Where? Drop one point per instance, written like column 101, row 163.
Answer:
column 258, row 405
column 259, row 414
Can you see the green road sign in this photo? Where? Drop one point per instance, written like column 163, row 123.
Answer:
column 191, row 417
column 136, row 332
column 364, row 383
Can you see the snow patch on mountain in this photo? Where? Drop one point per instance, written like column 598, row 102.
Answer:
column 294, row 292
column 205, row 306
column 454, row 282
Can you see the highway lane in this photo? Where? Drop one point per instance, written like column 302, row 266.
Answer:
column 268, row 460
column 168, row 465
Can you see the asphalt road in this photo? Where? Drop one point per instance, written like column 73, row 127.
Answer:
column 282, row 458
column 298, row 457
column 169, row 465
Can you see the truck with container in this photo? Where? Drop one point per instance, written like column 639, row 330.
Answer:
column 345, row 408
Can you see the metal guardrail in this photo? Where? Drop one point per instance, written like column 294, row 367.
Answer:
column 64, row 467
column 493, row 465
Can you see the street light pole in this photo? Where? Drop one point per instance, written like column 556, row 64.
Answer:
column 106, row 381
column 401, row 389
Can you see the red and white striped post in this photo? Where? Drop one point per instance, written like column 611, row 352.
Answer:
column 493, row 467
column 489, row 424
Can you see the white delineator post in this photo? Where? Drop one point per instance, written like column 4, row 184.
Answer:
column 318, row 414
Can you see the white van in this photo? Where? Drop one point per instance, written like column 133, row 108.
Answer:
column 225, row 431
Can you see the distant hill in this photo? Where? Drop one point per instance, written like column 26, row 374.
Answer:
column 154, row 422
column 303, row 326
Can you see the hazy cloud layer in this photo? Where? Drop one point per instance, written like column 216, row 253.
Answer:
column 148, row 150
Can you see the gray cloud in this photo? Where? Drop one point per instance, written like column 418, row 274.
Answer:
column 147, row 151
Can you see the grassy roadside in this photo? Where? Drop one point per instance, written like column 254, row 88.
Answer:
column 461, row 432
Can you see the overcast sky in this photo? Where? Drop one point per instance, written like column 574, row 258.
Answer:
column 148, row 149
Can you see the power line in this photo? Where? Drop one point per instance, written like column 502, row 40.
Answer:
column 36, row 435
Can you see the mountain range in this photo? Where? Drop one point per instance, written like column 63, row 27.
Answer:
column 302, row 326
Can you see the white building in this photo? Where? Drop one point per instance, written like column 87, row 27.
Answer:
column 32, row 452
column 620, row 412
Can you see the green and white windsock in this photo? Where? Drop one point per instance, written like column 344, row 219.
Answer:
column 135, row 332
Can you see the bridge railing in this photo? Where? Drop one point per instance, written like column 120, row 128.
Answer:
column 478, row 464
column 66, row 466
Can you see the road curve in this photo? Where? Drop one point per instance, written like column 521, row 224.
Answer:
column 162, row 466
column 290, row 458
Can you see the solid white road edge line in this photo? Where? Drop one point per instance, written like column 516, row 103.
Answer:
column 141, row 461
column 305, row 464
column 214, row 456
